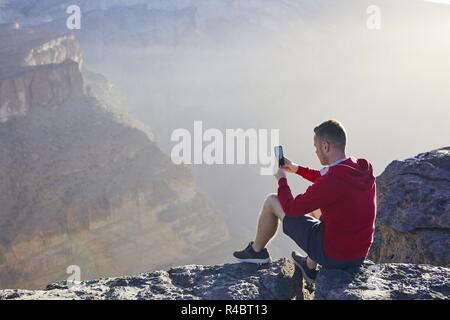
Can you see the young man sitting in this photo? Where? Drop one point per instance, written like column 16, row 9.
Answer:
column 333, row 221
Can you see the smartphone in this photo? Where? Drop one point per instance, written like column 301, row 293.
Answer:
column 279, row 155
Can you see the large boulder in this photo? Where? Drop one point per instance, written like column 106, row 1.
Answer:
column 391, row 281
column 278, row 280
column 413, row 218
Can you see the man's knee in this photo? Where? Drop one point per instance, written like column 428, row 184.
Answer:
column 271, row 199
column 274, row 204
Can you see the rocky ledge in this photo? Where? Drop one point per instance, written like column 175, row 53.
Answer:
column 275, row 281
column 278, row 280
column 390, row 281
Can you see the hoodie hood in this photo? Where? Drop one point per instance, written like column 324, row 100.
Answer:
column 358, row 173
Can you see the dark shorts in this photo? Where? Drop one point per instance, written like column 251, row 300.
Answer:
column 306, row 231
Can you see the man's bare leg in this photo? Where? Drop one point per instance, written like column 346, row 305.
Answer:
column 316, row 214
column 311, row 263
column 269, row 218
column 268, row 221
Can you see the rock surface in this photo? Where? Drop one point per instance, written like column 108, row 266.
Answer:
column 413, row 217
column 37, row 69
column 275, row 281
column 25, row 47
column 391, row 281
column 278, row 280
column 38, row 87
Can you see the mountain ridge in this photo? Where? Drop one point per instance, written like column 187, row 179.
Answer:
column 80, row 184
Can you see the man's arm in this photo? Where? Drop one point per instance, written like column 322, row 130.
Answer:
column 309, row 174
column 322, row 193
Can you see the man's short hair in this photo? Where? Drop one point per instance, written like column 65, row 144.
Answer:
column 333, row 132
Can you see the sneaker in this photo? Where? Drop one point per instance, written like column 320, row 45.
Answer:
column 251, row 256
column 309, row 275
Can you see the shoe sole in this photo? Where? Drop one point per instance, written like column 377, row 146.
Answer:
column 305, row 276
column 255, row 261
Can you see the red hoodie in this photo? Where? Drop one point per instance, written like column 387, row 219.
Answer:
column 346, row 195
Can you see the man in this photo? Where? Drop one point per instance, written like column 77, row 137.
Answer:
column 333, row 221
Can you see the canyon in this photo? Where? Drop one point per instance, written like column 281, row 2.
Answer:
column 81, row 182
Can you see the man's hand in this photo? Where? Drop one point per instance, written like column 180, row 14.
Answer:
column 289, row 166
column 280, row 174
